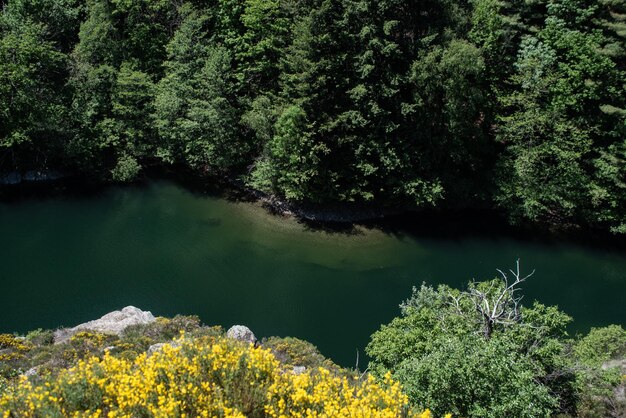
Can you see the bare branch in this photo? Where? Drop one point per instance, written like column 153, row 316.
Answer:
column 500, row 306
column 456, row 303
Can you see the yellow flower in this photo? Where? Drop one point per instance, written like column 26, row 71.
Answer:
column 205, row 378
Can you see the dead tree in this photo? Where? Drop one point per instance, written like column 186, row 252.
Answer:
column 499, row 305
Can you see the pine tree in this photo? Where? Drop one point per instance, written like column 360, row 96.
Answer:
column 194, row 115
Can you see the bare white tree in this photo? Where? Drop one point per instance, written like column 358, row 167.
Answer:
column 499, row 305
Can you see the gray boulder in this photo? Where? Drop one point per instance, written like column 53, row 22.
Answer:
column 298, row 369
column 33, row 371
column 159, row 346
column 241, row 333
column 155, row 347
column 112, row 323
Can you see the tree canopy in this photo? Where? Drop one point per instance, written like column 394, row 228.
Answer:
column 515, row 106
column 479, row 352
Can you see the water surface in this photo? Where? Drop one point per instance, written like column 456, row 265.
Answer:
column 66, row 260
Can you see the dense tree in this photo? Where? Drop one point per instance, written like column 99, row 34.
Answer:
column 518, row 106
column 479, row 353
column 61, row 19
column 259, row 48
column 96, row 59
column 127, row 131
column 196, row 120
column 33, row 111
column 449, row 101
column 119, row 54
column 146, row 27
column 349, row 70
column 563, row 125
column 292, row 160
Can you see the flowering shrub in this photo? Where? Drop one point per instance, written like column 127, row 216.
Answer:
column 12, row 347
column 37, row 350
column 202, row 377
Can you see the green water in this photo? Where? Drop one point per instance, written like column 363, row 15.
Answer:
column 161, row 248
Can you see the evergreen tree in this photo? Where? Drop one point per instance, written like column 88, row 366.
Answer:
column 33, row 109
column 193, row 112
column 514, row 105
column 564, row 127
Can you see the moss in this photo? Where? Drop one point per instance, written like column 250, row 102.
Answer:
column 295, row 352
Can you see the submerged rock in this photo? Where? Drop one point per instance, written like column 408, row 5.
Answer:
column 241, row 333
column 42, row 175
column 112, row 323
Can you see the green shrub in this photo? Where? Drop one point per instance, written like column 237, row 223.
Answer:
column 295, row 352
column 40, row 337
column 601, row 363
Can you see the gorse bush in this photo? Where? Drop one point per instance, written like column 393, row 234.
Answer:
column 12, row 347
column 37, row 350
column 202, row 377
column 442, row 353
column 295, row 352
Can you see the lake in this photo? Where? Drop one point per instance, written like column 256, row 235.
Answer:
column 66, row 260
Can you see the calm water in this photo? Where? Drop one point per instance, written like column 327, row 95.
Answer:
column 164, row 249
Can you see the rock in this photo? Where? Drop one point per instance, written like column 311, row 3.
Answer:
column 42, row 175
column 33, row 371
column 154, row 348
column 298, row 369
column 11, row 178
column 112, row 323
column 159, row 346
column 15, row 177
column 241, row 333
column 621, row 363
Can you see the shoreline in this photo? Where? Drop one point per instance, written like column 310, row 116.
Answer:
column 443, row 222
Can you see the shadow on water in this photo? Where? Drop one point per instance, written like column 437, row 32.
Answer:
column 442, row 224
column 446, row 224
column 487, row 224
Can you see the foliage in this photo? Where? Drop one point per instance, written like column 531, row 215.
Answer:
column 561, row 123
column 201, row 377
column 523, row 366
column 193, row 113
column 38, row 351
column 290, row 163
column 516, row 106
column 126, row 169
column 437, row 350
column 475, row 378
column 32, row 106
column 12, row 347
column 601, row 356
column 294, row 352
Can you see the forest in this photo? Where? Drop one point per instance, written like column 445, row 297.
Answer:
column 513, row 105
